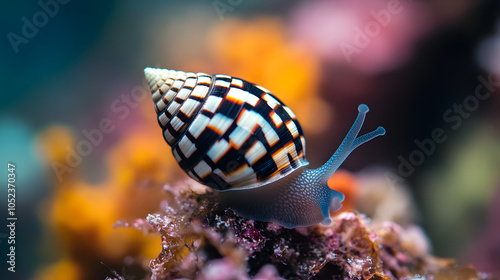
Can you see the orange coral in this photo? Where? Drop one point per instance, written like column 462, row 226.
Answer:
column 82, row 214
column 345, row 182
column 62, row 270
column 259, row 51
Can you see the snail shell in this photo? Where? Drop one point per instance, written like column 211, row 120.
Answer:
column 225, row 132
column 239, row 139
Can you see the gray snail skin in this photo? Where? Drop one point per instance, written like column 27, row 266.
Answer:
column 237, row 138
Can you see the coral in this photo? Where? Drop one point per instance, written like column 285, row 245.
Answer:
column 202, row 239
column 346, row 183
column 79, row 214
column 384, row 198
column 330, row 28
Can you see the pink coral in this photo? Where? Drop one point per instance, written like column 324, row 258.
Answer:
column 386, row 31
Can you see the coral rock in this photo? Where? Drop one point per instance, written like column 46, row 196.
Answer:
column 201, row 239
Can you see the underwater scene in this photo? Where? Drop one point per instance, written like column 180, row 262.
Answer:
column 167, row 139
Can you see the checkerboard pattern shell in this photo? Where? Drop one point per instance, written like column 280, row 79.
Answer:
column 225, row 132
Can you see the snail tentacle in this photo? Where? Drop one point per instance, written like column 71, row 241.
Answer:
column 349, row 144
column 367, row 137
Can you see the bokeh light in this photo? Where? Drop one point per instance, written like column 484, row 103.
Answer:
column 77, row 120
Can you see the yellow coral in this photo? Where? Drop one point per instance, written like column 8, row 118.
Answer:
column 62, row 270
column 53, row 142
column 82, row 214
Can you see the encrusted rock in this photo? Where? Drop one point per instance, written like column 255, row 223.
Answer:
column 203, row 240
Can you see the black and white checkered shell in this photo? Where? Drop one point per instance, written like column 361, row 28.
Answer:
column 225, row 132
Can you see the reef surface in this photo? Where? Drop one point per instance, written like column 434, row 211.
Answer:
column 201, row 239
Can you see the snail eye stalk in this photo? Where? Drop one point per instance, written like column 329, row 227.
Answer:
column 349, row 144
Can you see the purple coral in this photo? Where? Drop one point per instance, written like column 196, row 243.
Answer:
column 203, row 240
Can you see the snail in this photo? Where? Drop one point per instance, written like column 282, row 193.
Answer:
column 237, row 138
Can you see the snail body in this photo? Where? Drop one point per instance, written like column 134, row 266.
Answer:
column 240, row 140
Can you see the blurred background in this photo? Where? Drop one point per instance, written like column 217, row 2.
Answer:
column 77, row 121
